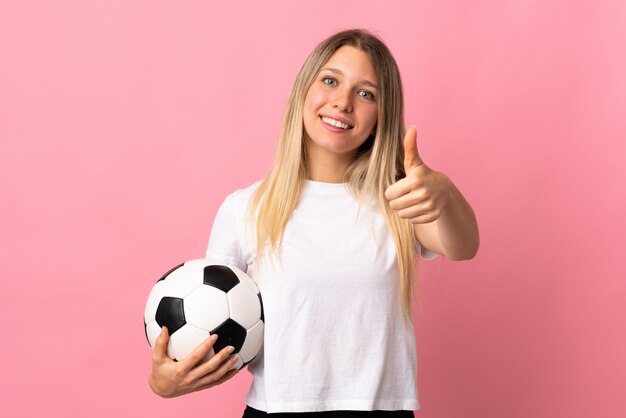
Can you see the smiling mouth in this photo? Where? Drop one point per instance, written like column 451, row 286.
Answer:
column 335, row 123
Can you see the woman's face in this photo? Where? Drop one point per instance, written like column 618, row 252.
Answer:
column 340, row 108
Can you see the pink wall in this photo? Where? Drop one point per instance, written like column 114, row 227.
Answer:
column 124, row 124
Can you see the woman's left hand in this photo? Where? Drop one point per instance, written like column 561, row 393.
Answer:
column 424, row 193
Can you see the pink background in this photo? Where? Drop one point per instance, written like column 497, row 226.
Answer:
column 123, row 125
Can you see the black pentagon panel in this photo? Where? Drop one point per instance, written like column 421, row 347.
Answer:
column 169, row 272
column 229, row 333
column 220, row 277
column 170, row 313
column 261, row 301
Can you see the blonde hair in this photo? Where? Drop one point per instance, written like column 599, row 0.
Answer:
column 377, row 165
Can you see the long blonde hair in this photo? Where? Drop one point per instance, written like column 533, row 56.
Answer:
column 378, row 162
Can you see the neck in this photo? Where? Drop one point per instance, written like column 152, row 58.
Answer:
column 327, row 167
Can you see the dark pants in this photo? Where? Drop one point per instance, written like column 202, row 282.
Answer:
column 255, row 413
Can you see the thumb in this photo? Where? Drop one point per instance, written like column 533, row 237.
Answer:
column 160, row 345
column 411, row 155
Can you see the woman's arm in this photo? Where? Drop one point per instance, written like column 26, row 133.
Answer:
column 455, row 233
column 442, row 219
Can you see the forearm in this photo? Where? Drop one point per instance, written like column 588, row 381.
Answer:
column 456, row 228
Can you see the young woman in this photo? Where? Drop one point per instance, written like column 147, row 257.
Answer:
column 331, row 236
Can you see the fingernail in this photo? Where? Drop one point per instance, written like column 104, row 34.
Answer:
column 230, row 348
column 214, row 337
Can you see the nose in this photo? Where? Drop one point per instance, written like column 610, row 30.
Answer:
column 342, row 100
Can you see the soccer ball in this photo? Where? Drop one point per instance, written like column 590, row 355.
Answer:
column 199, row 298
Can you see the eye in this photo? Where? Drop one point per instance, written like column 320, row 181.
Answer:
column 329, row 81
column 366, row 94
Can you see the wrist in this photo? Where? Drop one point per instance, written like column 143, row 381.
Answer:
column 152, row 382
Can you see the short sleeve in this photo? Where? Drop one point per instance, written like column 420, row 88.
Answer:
column 423, row 252
column 225, row 244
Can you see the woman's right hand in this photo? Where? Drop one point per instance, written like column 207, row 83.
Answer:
column 171, row 378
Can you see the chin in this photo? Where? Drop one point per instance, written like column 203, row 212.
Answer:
column 333, row 143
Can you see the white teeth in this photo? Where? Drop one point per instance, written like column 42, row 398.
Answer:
column 335, row 123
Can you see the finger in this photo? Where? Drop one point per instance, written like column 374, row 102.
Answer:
column 424, row 208
column 402, row 187
column 160, row 346
column 213, row 364
column 230, row 374
column 426, row 219
column 198, row 354
column 413, row 198
column 218, row 374
column 411, row 155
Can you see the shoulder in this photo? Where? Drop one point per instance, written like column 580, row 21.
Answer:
column 243, row 194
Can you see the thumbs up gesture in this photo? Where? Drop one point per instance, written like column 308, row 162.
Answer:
column 424, row 193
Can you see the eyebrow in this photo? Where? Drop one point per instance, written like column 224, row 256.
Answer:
column 338, row 71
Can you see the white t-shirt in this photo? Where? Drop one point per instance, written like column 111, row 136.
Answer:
column 335, row 338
